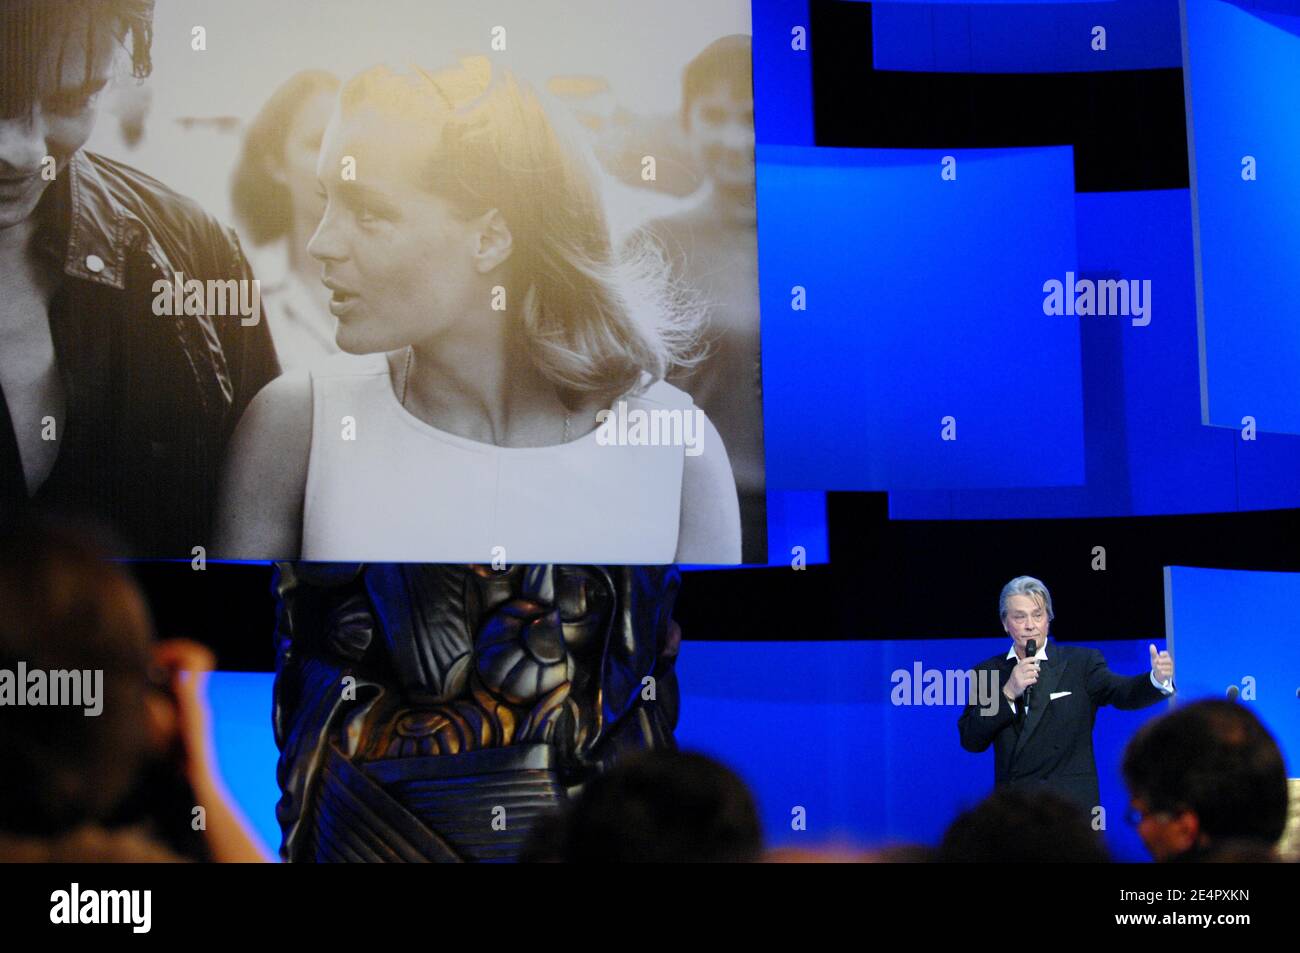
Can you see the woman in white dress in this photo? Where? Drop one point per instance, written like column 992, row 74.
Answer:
column 468, row 254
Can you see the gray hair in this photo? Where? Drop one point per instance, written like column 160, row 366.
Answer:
column 1025, row 586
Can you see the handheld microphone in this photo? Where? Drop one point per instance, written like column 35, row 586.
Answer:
column 1031, row 649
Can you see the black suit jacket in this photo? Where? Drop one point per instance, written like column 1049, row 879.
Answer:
column 1053, row 745
column 151, row 399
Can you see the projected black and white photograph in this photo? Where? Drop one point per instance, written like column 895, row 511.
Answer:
column 394, row 281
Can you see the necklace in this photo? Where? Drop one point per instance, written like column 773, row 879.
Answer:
column 406, row 377
column 406, row 372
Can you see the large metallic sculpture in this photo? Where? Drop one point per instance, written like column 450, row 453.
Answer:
column 432, row 712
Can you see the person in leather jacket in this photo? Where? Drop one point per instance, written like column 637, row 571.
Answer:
column 108, row 408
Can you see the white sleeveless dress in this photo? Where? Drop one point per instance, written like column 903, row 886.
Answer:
column 403, row 491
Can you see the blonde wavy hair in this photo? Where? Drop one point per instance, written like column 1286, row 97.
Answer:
column 605, row 320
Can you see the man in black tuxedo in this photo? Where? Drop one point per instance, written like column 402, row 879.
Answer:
column 1045, row 737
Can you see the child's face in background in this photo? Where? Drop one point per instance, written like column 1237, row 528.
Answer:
column 720, row 128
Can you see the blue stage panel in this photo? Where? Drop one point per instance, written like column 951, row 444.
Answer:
column 924, row 300
column 797, row 519
column 1047, row 37
column 1243, row 81
column 783, row 112
column 1226, row 626
column 1147, row 451
column 240, row 703
column 1267, row 469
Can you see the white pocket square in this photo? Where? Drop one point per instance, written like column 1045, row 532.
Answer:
column 1055, row 695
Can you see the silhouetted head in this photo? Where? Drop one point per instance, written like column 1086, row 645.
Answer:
column 1022, row 826
column 68, row 609
column 1205, row 773
column 664, row 807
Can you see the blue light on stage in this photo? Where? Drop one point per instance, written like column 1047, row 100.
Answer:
column 1046, row 37
column 783, row 112
column 245, row 745
column 922, row 300
column 1244, row 83
column 797, row 520
column 1234, row 627
column 1147, row 451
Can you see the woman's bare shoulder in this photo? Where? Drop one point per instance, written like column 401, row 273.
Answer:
column 284, row 404
column 259, row 511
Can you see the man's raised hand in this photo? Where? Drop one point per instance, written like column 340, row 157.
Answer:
column 1162, row 665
